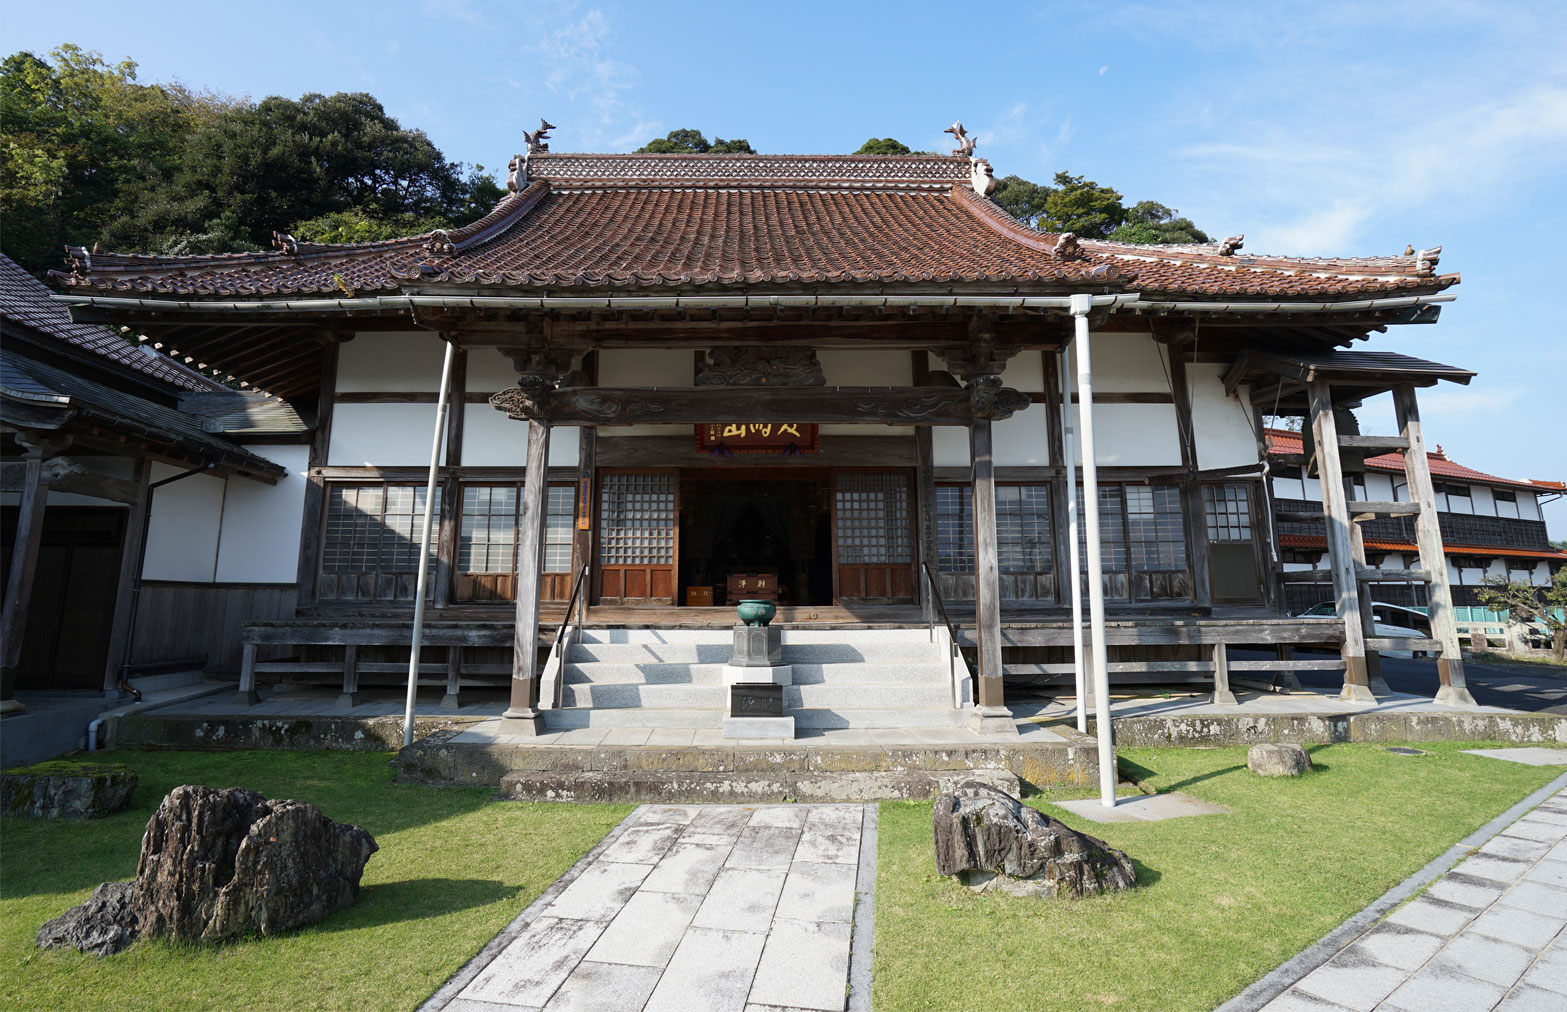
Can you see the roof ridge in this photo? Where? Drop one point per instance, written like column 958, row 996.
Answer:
column 1421, row 263
column 838, row 171
column 1060, row 245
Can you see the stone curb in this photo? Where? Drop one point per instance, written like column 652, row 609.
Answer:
column 464, row 976
column 863, row 941
column 1288, row 973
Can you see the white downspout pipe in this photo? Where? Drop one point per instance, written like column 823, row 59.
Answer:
column 1081, row 304
column 1069, row 463
column 424, row 543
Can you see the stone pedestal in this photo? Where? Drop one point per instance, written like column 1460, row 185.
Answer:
column 757, row 646
column 993, row 720
column 758, row 659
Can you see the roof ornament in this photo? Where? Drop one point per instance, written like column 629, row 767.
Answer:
column 1425, row 260
column 965, row 142
column 981, row 176
column 287, row 243
column 1230, row 244
column 516, row 173
column 440, row 244
column 1409, row 250
column 538, row 140
column 1066, row 245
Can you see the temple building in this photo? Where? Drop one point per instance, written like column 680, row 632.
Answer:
column 850, row 385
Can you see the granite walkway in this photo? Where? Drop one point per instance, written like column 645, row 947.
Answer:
column 1488, row 934
column 692, row 908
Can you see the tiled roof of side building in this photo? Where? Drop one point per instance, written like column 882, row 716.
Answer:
column 1284, row 441
column 652, row 221
column 26, row 301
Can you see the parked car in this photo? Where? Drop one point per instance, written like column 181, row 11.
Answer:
column 1389, row 621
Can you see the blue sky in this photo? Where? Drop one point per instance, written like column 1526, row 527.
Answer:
column 1313, row 128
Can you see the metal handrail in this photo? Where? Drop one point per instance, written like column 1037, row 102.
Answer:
column 933, row 596
column 578, row 600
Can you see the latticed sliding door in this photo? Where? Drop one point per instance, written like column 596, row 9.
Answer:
column 874, row 517
column 636, row 538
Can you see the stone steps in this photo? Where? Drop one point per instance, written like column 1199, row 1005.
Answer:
column 716, row 697
column 719, row 653
column 753, row 787
column 571, row 717
column 672, row 673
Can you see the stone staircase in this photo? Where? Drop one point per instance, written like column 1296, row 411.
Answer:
column 843, row 678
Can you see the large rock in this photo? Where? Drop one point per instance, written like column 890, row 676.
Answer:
column 220, row 863
column 1277, row 760
column 66, row 790
column 103, row 925
column 993, row 841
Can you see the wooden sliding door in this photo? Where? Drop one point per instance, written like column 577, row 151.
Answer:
column 637, row 525
column 873, row 518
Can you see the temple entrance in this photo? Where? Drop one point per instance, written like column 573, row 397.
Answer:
column 755, row 535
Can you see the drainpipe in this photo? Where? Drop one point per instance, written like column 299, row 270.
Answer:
column 424, row 544
column 141, row 561
column 1069, row 462
column 1081, row 304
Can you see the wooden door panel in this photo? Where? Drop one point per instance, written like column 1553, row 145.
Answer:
column 637, row 533
column 874, row 534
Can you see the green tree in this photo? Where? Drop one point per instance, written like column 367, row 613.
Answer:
column 1525, row 603
column 1081, row 206
column 81, row 136
column 1022, row 199
column 678, row 142
column 354, row 225
column 883, row 146
column 1149, row 221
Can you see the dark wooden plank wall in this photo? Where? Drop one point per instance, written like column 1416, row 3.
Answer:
column 180, row 620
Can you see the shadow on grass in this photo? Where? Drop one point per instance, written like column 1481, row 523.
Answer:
column 415, row 899
column 1146, row 876
column 1141, row 775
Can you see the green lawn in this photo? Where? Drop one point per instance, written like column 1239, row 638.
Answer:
column 454, row 867
column 1221, row 899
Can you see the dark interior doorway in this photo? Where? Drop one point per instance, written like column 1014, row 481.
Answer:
column 754, row 524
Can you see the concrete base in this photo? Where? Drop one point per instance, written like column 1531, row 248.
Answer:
column 1353, row 693
column 448, row 702
column 347, row 699
column 993, row 721
column 1454, row 695
column 771, row 728
column 778, row 674
column 1224, row 697
column 9, row 706
column 743, row 787
column 526, row 723
column 247, row 697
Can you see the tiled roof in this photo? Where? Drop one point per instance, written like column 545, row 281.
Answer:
column 651, row 221
column 1493, row 551
column 1283, row 441
column 26, row 301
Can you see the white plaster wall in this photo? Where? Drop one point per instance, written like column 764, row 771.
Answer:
column 845, row 429
column 1313, row 487
column 1528, row 506
column 259, row 538
column 1542, row 574
column 407, row 362
column 1379, row 487
column 1459, row 576
column 1126, row 363
column 646, row 367
column 1288, row 488
column 1497, row 567
column 383, row 435
column 1482, row 501
column 182, row 539
column 857, row 367
column 1135, row 435
column 1221, row 424
column 1458, row 503
column 1022, row 439
column 490, row 439
column 949, row 446
column 489, row 371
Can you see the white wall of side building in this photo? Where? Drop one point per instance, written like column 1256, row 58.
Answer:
column 405, row 362
column 1221, row 424
column 187, row 517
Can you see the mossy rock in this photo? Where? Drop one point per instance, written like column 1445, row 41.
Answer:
column 66, row 789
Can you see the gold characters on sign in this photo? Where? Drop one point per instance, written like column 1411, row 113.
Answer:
column 740, row 431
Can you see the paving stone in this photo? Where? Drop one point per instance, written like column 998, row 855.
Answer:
column 1486, row 958
column 780, row 815
column 1516, row 846
column 1529, row 829
column 687, row 868
column 667, row 815
column 1558, row 852
column 1397, row 945
column 765, row 847
column 642, row 844
column 1497, row 869
column 1299, row 1001
column 1428, row 914
column 1525, row 998
column 818, row 891
column 831, row 834
column 604, row 987
column 1352, row 981
column 1439, row 989
column 528, row 970
column 600, row 891
column 804, row 965
column 742, row 899
column 473, row 1005
column 1549, row 872
column 1466, row 890
column 1549, row 815
column 647, row 929
column 1550, row 970
column 1144, row 808
column 1541, row 899
column 711, row 971
column 1527, row 756
column 1521, row 927
column 719, row 820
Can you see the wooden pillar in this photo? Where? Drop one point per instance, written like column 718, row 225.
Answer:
column 24, row 566
column 582, row 536
column 248, row 696
column 313, row 519
column 1452, row 690
column 1063, row 484
column 1194, row 520
column 1368, row 622
column 453, row 678
column 926, row 553
column 350, row 693
column 991, row 715
column 1341, row 556
column 523, row 716
column 130, row 559
column 1221, row 676
column 451, row 489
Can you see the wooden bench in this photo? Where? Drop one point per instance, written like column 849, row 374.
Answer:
column 353, row 635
